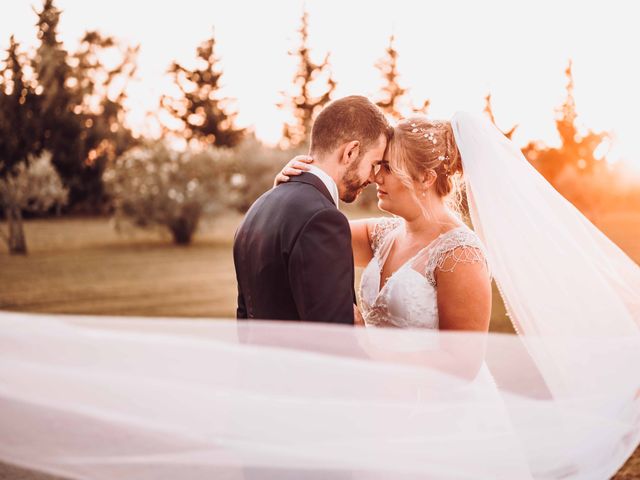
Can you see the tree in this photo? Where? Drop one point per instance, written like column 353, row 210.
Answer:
column 154, row 186
column 392, row 91
column 82, row 111
column 101, row 95
column 203, row 115
column 19, row 119
column 34, row 186
column 488, row 109
column 61, row 127
column 393, row 94
column 249, row 169
column 583, row 152
column 308, row 96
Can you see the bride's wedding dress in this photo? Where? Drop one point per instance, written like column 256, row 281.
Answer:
column 408, row 298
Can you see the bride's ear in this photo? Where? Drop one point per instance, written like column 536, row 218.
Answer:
column 350, row 152
column 428, row 179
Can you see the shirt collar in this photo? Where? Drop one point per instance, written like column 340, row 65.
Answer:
column 327, row 180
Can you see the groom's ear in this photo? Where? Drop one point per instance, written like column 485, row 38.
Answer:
column 350, row 151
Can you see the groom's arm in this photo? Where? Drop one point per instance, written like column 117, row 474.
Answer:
column 321, row 269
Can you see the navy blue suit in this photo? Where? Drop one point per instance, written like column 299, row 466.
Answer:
column 293, row 256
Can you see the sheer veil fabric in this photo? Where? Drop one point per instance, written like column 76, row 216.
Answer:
column 133, row 398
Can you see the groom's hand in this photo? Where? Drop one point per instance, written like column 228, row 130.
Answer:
column 294, row 167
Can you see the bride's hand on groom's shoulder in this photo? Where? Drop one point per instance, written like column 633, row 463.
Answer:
column 294, row 167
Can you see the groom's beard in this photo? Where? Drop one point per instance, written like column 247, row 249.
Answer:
column 352, row 184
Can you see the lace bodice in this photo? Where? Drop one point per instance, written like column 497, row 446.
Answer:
column 408, row 299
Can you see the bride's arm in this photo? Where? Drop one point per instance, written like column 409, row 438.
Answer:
column 464, row 293
column 360, row 241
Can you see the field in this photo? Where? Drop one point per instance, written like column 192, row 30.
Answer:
column 81, row 265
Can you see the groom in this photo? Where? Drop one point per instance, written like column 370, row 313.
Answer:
column 292, row 252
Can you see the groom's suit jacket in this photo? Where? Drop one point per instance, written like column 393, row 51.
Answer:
column 293, row 256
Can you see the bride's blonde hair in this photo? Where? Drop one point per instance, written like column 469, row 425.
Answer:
column 419, row 145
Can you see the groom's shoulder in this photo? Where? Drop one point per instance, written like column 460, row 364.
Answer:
column 297, row 196
column 283, row 213
column 292, row 206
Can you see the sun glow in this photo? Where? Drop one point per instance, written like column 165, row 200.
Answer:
column 452, row 53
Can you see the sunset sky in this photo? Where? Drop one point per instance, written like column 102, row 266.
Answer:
column 452, row 52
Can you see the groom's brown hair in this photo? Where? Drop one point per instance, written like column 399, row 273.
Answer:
column 346, row 119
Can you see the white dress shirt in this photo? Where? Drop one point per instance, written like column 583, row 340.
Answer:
column 327, row 180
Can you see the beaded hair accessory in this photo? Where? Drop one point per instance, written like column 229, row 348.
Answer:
column 431, row 138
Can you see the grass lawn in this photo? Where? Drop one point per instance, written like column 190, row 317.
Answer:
column 81, row 265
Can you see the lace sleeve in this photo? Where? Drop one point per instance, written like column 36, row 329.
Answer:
column 462, row 246
column 380, row 230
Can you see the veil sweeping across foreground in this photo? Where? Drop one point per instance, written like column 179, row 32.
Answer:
column 131, row 398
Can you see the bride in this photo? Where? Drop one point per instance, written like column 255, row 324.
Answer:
column 424, row 268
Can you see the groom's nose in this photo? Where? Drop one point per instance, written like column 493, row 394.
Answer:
column 372, row 176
